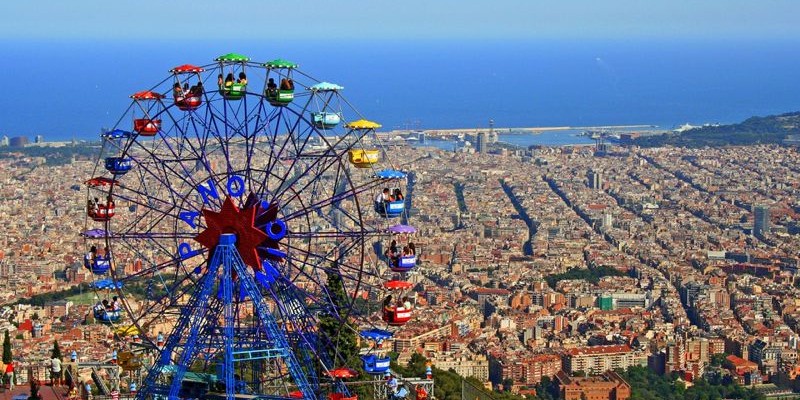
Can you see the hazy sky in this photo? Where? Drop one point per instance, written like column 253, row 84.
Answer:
column 399, row 19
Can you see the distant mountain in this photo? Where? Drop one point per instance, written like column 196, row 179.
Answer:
column 754, row 130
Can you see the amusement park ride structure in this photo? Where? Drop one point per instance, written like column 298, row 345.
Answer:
column 232, row 209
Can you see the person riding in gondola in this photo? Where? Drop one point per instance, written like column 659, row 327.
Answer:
column 229, row 80
column 272, row 88
column 397, row 195
column 242, row 78
column 387, row 301
column 413, row 248
column 383, row 197
column 406, row 303
column 197, row 90
column 177, row 92
column 287, row 84
column 220, row 80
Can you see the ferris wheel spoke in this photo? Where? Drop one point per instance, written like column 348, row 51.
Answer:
column 334, row 234
column 171, row 190
column 331, row 200
column 170, row 263
column 329, row 151
column 327, row 258
column 151, row 235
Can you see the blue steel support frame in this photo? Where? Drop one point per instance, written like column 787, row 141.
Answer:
column 193, row 323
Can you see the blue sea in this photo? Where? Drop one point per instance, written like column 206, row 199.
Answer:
column 65, row 89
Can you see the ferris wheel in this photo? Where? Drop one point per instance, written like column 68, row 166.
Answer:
column 231, row 210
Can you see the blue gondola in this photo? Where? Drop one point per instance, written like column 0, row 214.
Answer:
column 104, row 284
column 99, row 265
column 390, row 174
column 403, row 264
column 375, row 334
column 118, row 165
column 390, row 209
column 375, row 365
column 325, row 120
column 106, row 316
column 116, row 134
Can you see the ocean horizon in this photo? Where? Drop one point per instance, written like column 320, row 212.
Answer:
column 74, row 88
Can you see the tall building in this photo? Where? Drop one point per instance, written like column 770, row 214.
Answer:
column 4, row 141
column 595, row 179
column 38, row 139
column 598, row 359
column 492, row 134
column 481, row 143
column 760, row 220
column 18, row 141
column 608, row 386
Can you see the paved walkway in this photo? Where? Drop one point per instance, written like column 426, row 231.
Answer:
column 46, row 392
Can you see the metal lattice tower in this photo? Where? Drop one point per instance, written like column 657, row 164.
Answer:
column 186, row 345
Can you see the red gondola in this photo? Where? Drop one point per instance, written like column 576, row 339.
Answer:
column 194, row 98
column 100, row 212
column 100, row 181
column 343, row 373
column 399, row 312
column 146, row 126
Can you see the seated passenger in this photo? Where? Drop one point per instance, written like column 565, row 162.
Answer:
column 186, row 87
column 106, row 305
column 177, row 92
column 406, row 303
column 387, row 302
column 197, row 90
column 391, row 252
column 413, row 248
column 93, row 253
column 272, row 88
column 220, row 81
column 383, row 197
column 397, row 195
column 406, row 251
column 242, row 78
column 229, row 80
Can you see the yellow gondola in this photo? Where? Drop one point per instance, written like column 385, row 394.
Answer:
column 362, row 124
column 129, row 330
column 361, row 158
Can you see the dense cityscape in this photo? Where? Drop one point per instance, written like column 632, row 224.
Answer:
column 565, row 264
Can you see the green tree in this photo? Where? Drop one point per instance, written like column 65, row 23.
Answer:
column 34, row 390
column 56, row 350
column 7, row 356
column 336, row 326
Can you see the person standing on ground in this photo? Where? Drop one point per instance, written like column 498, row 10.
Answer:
column 10, row 375
column 55, row 371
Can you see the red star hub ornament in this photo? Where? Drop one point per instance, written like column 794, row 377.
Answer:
column 240, row 222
